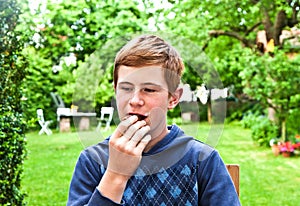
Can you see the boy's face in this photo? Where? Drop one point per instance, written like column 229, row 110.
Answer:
column 143, row 91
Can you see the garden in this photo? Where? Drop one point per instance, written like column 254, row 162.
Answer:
column 241, row 67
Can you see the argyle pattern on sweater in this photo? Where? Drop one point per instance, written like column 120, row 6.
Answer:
column 177, row 171
column 177, row 184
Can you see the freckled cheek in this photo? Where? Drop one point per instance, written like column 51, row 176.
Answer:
column 154, row 103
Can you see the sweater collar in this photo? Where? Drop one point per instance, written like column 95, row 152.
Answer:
column 162, row 144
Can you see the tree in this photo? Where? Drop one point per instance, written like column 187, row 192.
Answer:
column 63, row 36
column 275, row 82
column 12, row 124
column 226, row 35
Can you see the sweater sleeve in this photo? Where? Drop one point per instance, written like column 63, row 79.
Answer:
column 215, row 184
column 83, row 187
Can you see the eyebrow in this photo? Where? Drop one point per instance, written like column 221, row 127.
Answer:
column 125, row 83
column 151, row 84
column 144, row 84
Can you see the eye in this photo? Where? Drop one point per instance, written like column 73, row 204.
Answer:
column 125, row 88
column 149, row 90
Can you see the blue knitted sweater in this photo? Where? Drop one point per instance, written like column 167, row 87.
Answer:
column 179, row 170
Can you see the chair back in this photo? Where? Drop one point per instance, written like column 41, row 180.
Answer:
column 107, row 111
column 234, row 171
column 103, row 117
column 40, row 116
column 59, row 103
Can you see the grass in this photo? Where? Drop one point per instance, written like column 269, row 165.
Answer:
column 264, row 178
column 49, row 165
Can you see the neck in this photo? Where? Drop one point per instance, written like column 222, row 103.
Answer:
column 156, row 139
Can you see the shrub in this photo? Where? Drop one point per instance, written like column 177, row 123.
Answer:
column 262, row 129
column 12, row 126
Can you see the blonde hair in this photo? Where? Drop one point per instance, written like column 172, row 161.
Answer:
column 147, row 50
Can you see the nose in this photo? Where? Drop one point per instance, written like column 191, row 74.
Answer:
column 136, row 99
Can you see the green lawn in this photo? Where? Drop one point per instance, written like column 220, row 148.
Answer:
column 264, row 179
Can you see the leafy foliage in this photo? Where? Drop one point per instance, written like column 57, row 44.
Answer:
column 60, row 30
column 274, row 81
column 56, row 31
column 94, row 76
column 262, row 129
column 12, row 125
column 230, row 39
column 223, row 34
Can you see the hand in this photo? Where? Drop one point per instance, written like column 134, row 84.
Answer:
column 125, row 153
column 126, row 146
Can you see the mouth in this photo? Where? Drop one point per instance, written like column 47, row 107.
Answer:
column 140, row 116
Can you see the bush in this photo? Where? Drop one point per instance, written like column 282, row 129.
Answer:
column 293, row 122
column 262, row 129
column 249, row 119
column 12, row 126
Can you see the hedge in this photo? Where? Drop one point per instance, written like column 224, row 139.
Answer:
column 12, row 126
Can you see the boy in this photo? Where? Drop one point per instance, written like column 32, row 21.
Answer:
column 144, row 161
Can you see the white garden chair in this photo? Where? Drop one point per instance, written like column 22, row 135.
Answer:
column 44, row 124
column 106, row 116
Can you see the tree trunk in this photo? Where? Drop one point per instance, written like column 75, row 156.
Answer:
column 209, row 115
column 280, row 23
column 272, row 114
column 268, row 25
column 283, row 130
column 274, row 30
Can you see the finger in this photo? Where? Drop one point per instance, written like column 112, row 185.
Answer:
column 143, row 143
column 121, row 142
column 138, row 136
column 123, row 126
column 133, row 129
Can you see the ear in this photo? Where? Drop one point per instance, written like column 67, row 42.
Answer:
column 174, row 98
